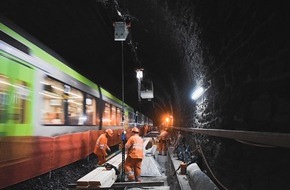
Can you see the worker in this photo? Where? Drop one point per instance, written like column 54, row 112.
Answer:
column 179, row 141
column 134, row 148
column 163, row 141
column 145, row 130
column 102, row 147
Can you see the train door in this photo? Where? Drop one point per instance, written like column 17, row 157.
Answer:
column 15, row 98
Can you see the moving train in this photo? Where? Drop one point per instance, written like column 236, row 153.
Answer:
column 50, row 115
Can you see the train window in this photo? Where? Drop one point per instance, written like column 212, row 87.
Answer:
column 4, row 98
column 53, row 98
column 16, row 106
column 75, row 107
column 113, row 115
column 20, row 101
column 62, row 104
column 119, row 117
column 131, row 117
column 20, row 92
column 107, row 115
column 91, row 107
column 116, row 116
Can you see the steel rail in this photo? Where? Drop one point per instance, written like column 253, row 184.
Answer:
column 121, row 185
column 262, row 138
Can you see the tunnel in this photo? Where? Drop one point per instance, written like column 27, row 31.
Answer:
column 237, row 51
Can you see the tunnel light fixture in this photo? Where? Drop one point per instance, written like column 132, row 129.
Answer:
column 139, row 74
column 197, row 93
column 121, row 31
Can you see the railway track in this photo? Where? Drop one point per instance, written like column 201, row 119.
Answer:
column 104, row 177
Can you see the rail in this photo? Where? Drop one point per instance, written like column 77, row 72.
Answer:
column 259, row 138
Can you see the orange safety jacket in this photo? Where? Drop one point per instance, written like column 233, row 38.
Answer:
column 163, row 135
column 101, row 145
column 145, row 129
column 134, row 146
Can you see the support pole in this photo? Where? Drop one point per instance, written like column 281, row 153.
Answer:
column 123, row 120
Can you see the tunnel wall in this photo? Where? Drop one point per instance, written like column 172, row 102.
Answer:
column 239, row 51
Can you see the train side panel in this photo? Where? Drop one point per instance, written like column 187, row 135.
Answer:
column 50, row 115
column 16, row 84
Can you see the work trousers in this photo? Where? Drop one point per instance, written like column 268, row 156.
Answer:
column 133, row 168
column 162, row 147
column 101, row 158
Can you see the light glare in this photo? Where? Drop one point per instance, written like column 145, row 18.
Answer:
column 197, row 93
column 139, row 74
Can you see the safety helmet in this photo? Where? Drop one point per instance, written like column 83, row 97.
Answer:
column 109, row 132
column 135, row 130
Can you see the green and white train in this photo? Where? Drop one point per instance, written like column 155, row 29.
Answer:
column 47, row 109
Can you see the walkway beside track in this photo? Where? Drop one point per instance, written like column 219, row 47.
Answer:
column 158, row 172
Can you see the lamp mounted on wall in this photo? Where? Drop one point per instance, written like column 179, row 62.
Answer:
column 197, row 93
column 139, row 76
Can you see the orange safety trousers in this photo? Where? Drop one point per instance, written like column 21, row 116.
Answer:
column 133, row 168
column 101, row 159
column 162, row 147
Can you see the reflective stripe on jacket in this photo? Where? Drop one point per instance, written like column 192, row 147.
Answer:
column 134, row 146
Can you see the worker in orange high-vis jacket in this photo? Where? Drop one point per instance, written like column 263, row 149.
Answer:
column 163, row 142
column 102, row 147
column 134, row 148
column 145, row 130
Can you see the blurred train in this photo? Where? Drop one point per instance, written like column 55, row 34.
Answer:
column 50, row 115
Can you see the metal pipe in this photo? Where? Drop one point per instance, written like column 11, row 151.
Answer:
column 263, row 138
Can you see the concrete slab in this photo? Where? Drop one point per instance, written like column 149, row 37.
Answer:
column 150, row 167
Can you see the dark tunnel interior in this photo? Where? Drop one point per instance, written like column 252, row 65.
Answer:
column 239, row 51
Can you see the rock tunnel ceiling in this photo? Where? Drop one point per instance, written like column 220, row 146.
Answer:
column 82, row 34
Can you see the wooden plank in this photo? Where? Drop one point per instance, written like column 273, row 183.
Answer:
column 91, row 174
column 100, row 177
column 118, row 157
column 84, row 181
column 110, row 182
column 117, row 161
column 107, row 178
column 93, row 184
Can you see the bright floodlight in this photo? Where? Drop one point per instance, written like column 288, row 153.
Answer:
column 197, row 93
column 139, row 74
